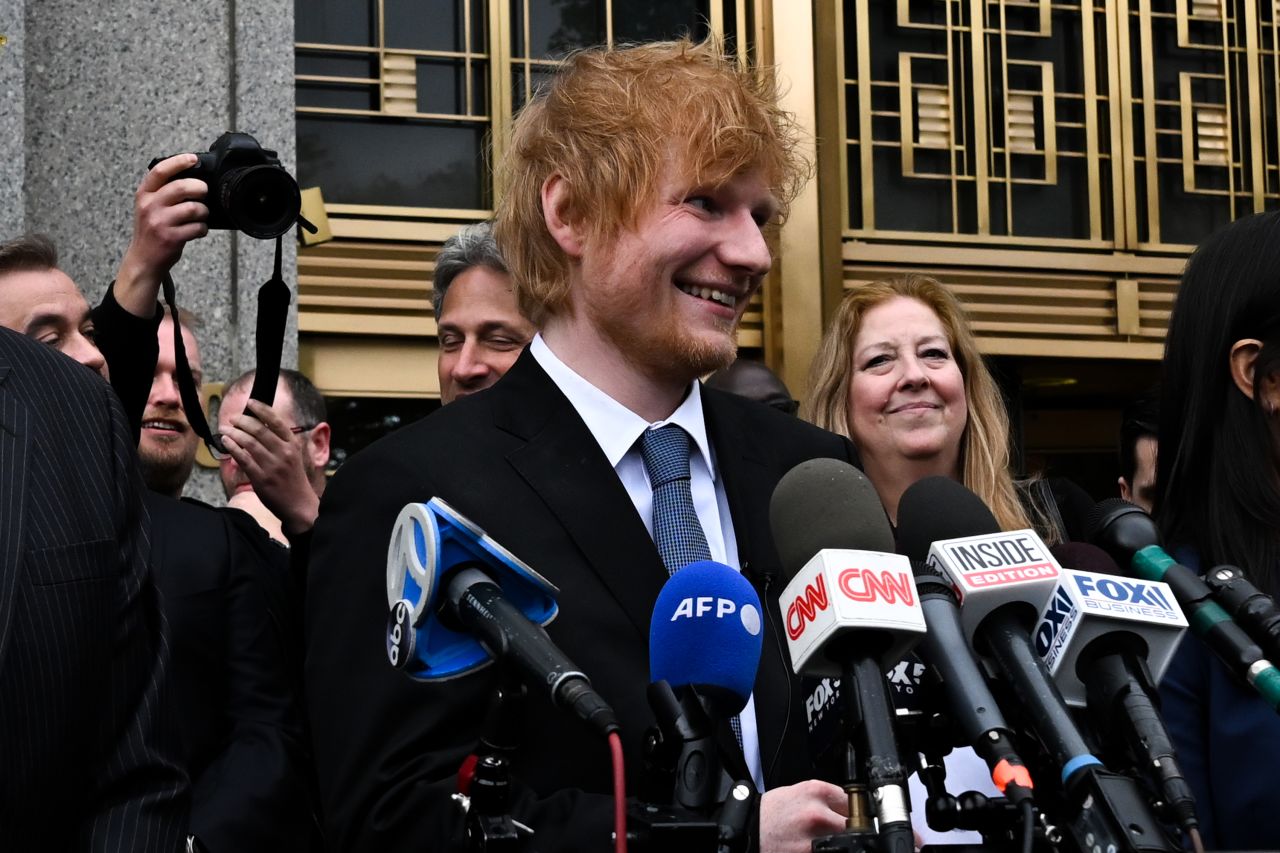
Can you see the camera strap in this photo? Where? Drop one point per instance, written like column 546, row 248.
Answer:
column 273, row 314
column 186, row 382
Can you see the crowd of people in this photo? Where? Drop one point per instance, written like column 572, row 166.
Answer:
column 174, row 671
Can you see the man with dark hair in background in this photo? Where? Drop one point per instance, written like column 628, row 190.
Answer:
column 641, row 186
column 42, row 302
column 478, row 320
column 753, row 380
column 1139, row 427
column 276, row 455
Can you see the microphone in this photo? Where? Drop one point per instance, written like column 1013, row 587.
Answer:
column 1093, row 609
column 1132, row 538
column 1250, row 607
column 1107, row 641
column 837, row 548
column 706, row 634
column 705, row 638
column 973, row 707
column 1003, row 580
column 458, row 599
column 850, row 610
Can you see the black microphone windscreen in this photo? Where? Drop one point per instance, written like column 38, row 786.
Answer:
column 937, row 508
column 1122, row 529
column 826, row 503
column 1083, row 557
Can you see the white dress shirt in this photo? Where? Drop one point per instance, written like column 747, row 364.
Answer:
column 617, row 430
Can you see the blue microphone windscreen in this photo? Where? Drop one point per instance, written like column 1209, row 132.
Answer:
column 706, row 631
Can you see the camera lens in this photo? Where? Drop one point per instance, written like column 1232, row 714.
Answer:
column 262, row 201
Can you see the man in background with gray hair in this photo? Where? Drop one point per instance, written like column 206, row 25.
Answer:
column 480, row 327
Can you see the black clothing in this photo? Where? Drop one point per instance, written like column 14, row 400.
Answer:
column 87, row 726
column 519, row 461
column 233, row 612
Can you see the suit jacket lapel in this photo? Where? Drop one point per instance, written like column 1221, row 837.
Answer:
column 14, row 435
column 748, row 480
column 562, row 462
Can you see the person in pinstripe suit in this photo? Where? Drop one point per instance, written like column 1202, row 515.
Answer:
column 88, row 753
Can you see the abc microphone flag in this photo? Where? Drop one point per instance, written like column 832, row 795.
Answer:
column 429, row 542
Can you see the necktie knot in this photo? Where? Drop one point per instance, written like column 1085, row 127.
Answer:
column 666, row 454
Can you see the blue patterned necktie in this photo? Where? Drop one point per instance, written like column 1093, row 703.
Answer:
column 676, row 530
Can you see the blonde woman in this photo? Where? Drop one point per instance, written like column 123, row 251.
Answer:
column 898, row 373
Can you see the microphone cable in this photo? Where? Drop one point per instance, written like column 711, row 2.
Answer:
column 1028, row 824
column 619, row 794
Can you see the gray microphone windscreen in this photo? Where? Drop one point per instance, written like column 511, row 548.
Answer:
column 826, row 503
column 938, row 508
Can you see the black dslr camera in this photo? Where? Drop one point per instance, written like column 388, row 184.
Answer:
column 249, row 190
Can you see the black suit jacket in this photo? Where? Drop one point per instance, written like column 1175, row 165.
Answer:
column 519, row 461
column 232, row 611
column 88, row 756
column 225, row 590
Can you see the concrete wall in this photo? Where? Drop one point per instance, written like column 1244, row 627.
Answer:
column 93, row 91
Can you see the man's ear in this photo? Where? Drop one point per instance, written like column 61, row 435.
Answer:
column 564, row 228
column 1244, row 356
column 1126, row 493
column 318, row 445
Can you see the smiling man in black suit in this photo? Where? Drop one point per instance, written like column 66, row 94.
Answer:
column 641, row 184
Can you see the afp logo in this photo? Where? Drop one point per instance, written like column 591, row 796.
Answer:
column 697, row 607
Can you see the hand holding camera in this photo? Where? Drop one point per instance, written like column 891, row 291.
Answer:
column 167, row 213
column 235, row 185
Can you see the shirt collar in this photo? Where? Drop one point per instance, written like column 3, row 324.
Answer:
column 615, row 427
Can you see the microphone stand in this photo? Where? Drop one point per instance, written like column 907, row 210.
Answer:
column 486, row 803
column 997, row 818
column 872, row 766
column 1101, row 807
column 702, row 810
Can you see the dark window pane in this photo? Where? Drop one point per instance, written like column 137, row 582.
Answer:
column 336, row 64
column 338, row 96
column 334, row 21
column 660, row 20
column 413, row 24
column 441, row 89
column 539, row 76
column 393, row 162
column 559, row 26
column 358, row 422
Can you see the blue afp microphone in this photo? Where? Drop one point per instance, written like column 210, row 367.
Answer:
column 458, row 600
column 705, row 638
column 706, row 633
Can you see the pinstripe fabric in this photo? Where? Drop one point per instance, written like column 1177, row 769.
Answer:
column 87, row 748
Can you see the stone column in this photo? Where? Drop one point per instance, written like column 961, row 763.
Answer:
column 108, row 86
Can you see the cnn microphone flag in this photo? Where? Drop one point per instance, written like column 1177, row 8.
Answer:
column 842, row 590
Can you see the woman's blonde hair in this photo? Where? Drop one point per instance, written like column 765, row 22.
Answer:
column 984, row 444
